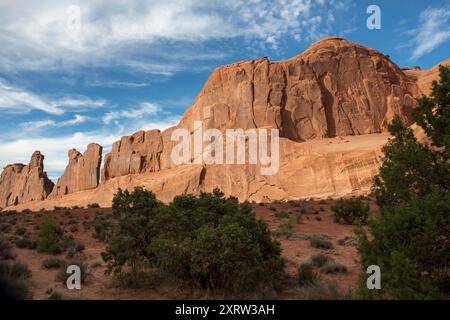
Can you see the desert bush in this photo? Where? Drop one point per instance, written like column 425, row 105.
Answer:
column 320, row 259
column 282, row 214
column 72, row 221
column 51, row 263
column 6, row 249
column 332, row 266
column 350, row 211
column 62, row 274
column 102, row 228
column 348, row 241
column 54, row 294
column 294, row 203
column 298, row 217
column 14, row 278
column 93, row 205
column 50, row 236
column 285, row 229
column 5, row 227
column 317, row 242
column 72, row 246
column 209, row 242
column 306, row 274
column 320, row 291
column 74, row 228
column 25, row 243
column 20, row 231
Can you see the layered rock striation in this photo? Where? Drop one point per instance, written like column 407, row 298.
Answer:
column 82, row 172
column 21, row 183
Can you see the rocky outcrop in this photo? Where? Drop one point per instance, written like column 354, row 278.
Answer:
column 137, row 153
column 335, row 88
column 331, row 104
column 82, row 172
column 425, row 78
column 21, row 183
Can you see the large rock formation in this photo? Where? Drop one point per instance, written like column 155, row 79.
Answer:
column 137, row 153
column 82, row 172
column 425, row 78
column 331, row 105
column 21, row 183
column 335, row 88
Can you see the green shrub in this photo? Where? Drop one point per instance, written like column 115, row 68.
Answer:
column 320, row 259
column 102, row 228
column 14, row 280
column 5, row 227
column 72, row 246
column 49, row 236
column 317, row 242
column 74, row 228
column 209, row 242
column 6, row 249
column 298, row 218
column 25, row 243
column 54, row 294
column 72, row 221
column 320, row 291
column 93, row 205
column 409, row 240
column 20, row 231
column 282, row 214
column 350, row 211
column 306, row 274
column 51, row 263
column 285, row 229
column 333, row 267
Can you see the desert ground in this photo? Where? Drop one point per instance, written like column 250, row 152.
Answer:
column 312, row 218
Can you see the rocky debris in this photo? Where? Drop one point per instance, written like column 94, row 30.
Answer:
column 82, row 172
column 21, row 183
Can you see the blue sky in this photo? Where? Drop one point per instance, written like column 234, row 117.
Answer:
column 137, row 65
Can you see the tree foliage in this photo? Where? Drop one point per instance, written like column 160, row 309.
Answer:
column 410, row 241
column 211, row 242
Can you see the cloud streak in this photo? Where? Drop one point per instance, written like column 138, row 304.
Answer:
column 37, row 35
column 433, row 31
column 22, row 101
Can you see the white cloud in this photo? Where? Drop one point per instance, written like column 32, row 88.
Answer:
column 433, row 31
column 39, row 124
column 144, row 109
column 37, row 36
column 21, row 101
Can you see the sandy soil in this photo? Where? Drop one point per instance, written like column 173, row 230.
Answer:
column 317, row 220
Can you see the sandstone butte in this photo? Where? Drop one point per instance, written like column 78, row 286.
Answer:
column 331, row 104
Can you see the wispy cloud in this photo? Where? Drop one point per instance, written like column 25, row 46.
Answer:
column 39, row 124
column 142, row 110
column 433, row 31
column 19, row 100
column 36, row 36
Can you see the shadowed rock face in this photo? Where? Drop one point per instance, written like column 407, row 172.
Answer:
column 335, row 88
column 82, row 172
column 20, row 183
